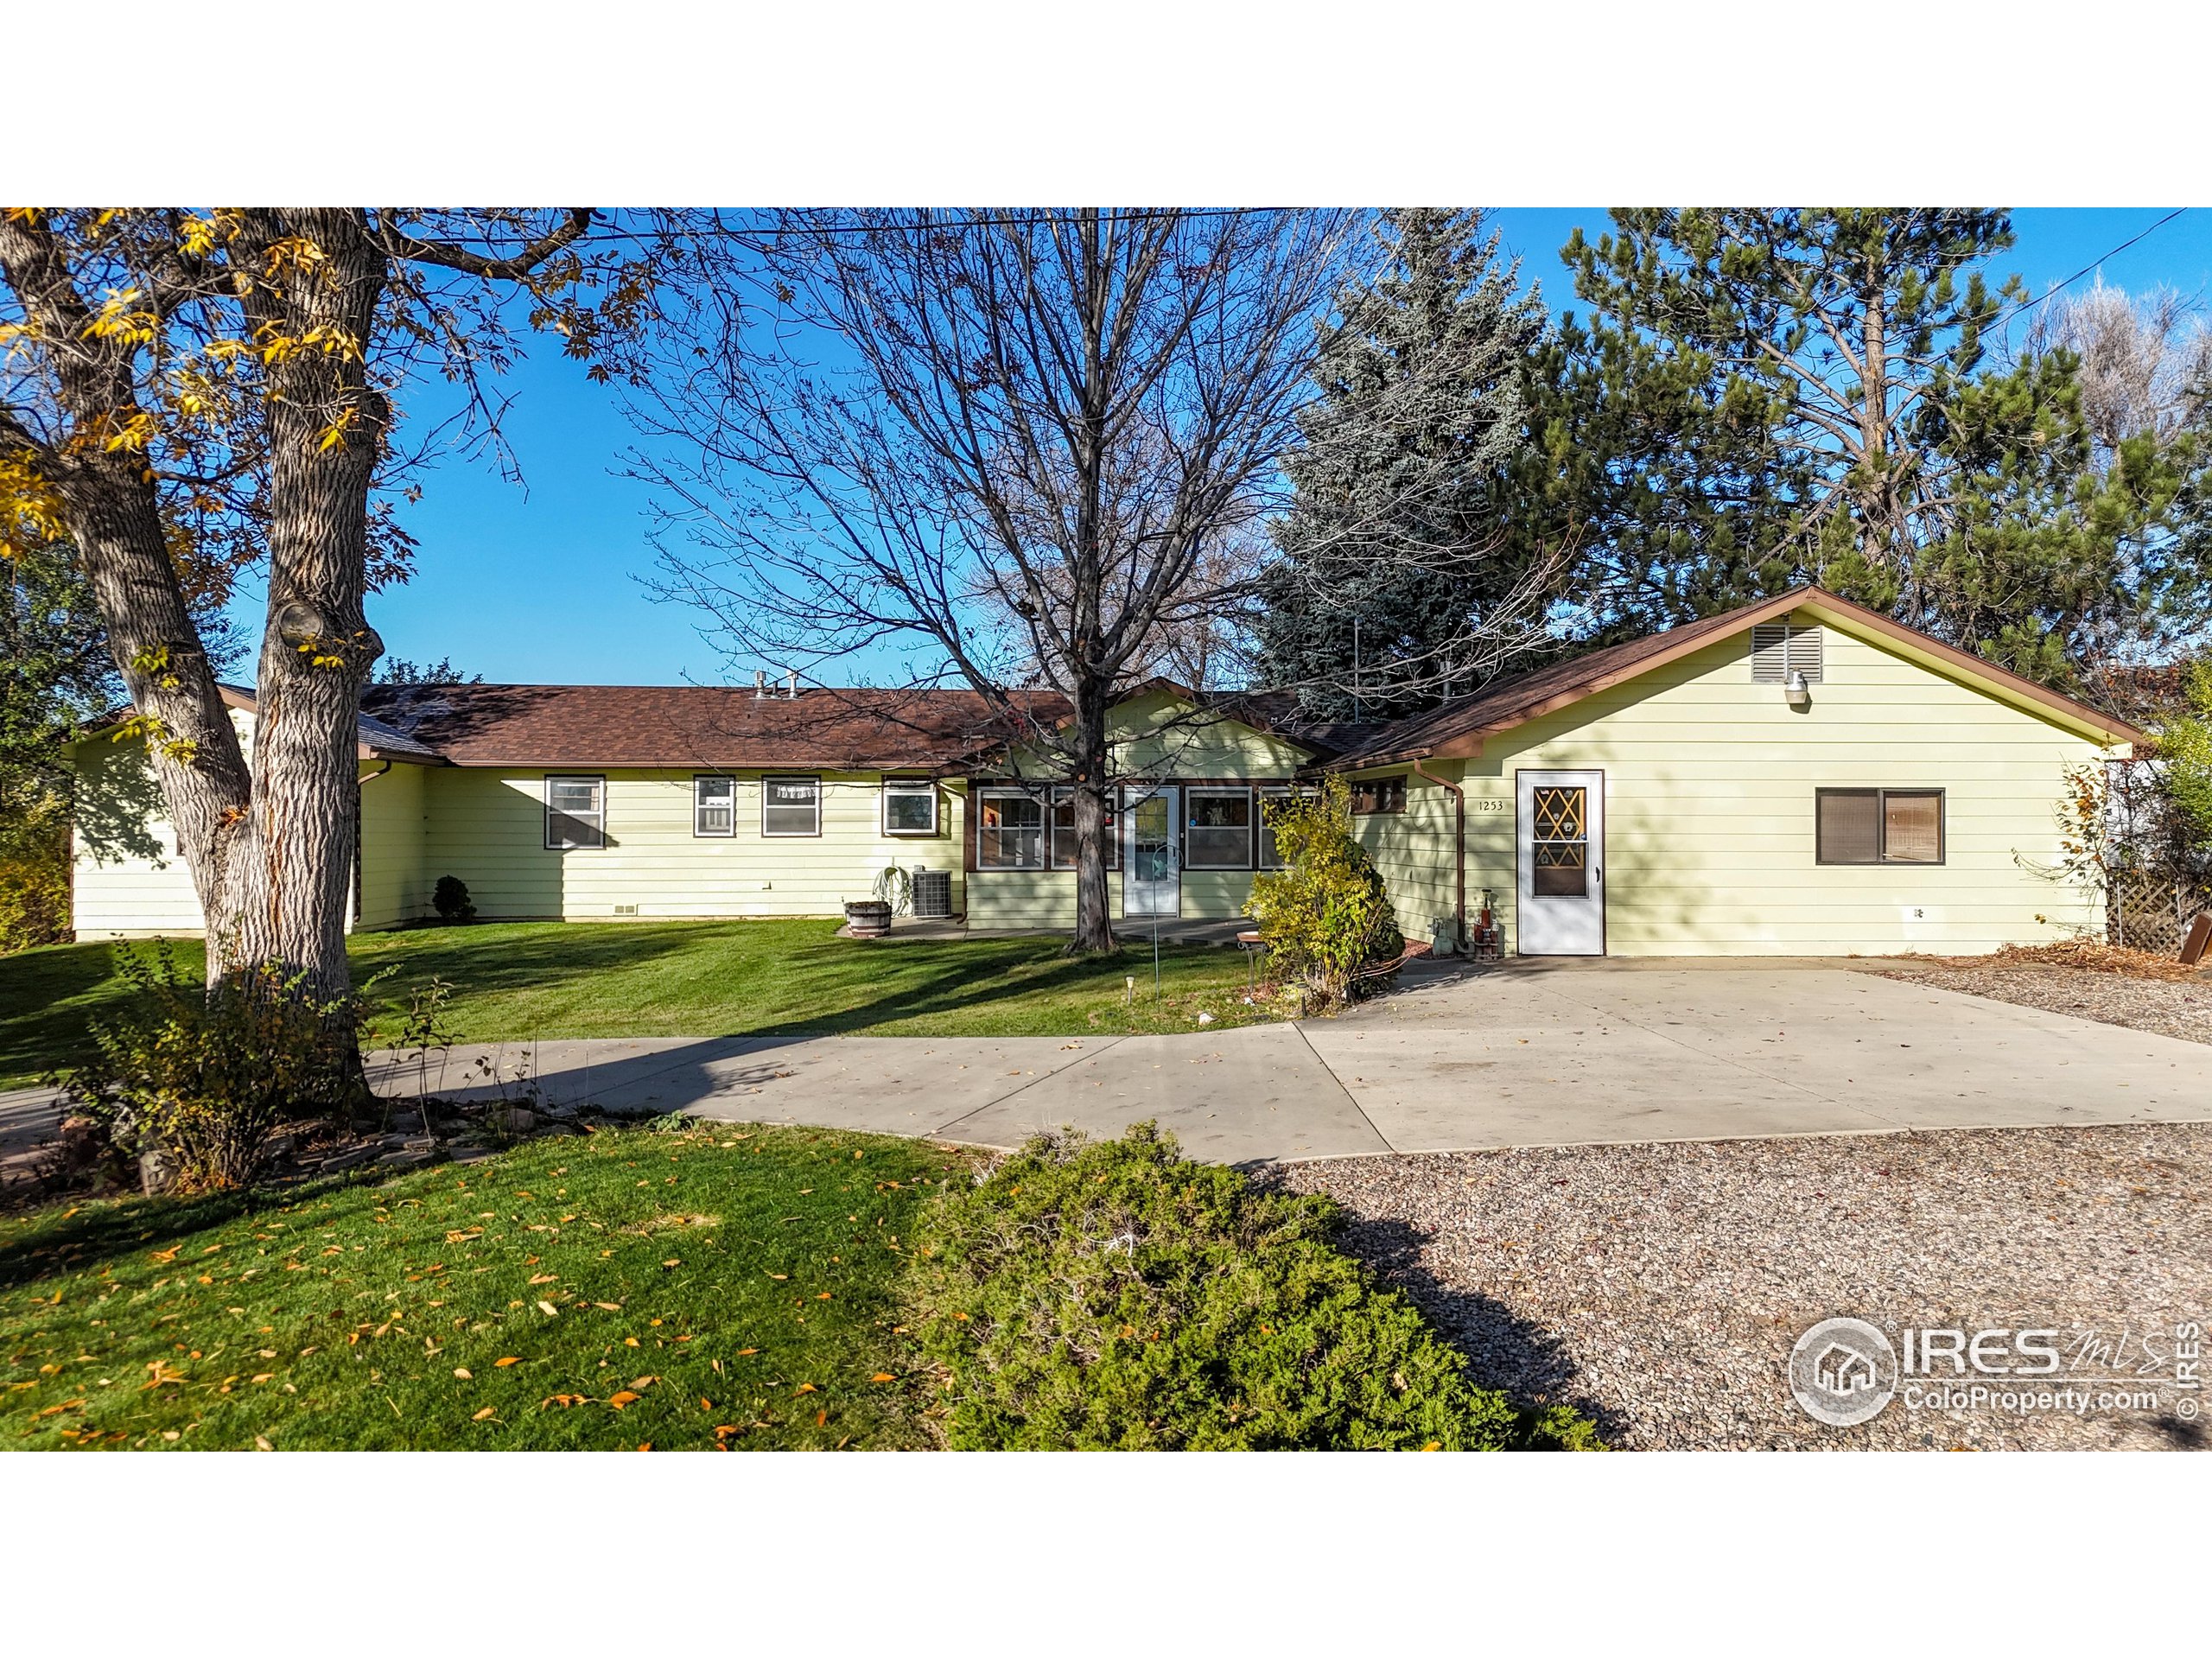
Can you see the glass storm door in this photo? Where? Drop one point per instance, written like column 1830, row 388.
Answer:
column 1560, row 824
column 1151, row 878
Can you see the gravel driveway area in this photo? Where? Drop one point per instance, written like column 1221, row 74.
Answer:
column 1661, row 1288
column 2179, row 1008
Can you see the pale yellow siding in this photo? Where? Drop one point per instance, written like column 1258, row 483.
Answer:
column 1709, row 832
column 394, row 837
column 128, row 880
column 486, row 825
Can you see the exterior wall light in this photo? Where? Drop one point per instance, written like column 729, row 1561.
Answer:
column 1799, row 694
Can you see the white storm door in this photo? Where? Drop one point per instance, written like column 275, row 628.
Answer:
column 1561, row 828
column 1151, row 871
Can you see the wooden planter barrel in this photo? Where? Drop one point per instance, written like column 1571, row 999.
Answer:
column 867, row 919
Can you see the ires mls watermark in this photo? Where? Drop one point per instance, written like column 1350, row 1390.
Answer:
column 1844, row 1371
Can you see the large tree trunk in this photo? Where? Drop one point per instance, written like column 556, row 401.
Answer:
column 287, row 898
column 1094, row 921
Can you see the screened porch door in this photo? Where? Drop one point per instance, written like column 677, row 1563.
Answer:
column 1151, row 875
column 1560, row 824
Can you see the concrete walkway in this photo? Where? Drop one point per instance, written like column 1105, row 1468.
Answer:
column 1521, row 1054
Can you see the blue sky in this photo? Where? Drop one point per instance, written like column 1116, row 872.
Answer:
column 538, row 582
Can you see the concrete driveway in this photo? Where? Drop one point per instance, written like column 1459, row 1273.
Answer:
column 1522, row 1054
column 1526, row 1054
column 1538, row 1053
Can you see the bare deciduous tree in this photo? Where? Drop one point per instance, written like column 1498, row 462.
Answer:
column 1011, row 444
column 2145, row 361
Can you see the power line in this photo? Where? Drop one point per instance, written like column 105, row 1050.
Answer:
column 2029, row 305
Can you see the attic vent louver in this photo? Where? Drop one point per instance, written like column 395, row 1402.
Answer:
column 1779, row 648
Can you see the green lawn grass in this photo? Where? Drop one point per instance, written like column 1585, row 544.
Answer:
column 716, row 1285
column 521, row 980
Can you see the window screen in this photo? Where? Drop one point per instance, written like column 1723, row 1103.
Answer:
column 909, row 806
column 1064, row 848
column 1912, row 826
column 1218, row 829
column 714, row 806
column 1009, row 830
column 576, row 813
column 791, row 806
column 1879, row 826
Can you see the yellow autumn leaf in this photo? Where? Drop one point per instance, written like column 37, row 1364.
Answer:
column 512, row 1359
column 482, row 1414
column 464, row 1373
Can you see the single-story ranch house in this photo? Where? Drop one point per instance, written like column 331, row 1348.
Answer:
column 1798, row 777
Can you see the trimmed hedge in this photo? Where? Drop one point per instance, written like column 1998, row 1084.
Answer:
column 1113, row 1294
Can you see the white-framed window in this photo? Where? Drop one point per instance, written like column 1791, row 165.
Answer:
column 791, row 806
column 1064, row 844
column 713, row 806
column 1009, row 830
column 575, row 814
column 910, row 806
column 1217, row 829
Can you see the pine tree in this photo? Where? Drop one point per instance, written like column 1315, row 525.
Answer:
column 1763, row 397
column 1392, row 552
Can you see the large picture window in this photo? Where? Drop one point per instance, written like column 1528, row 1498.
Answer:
column 791, row 806
column 1009, row 830
column 1218, row 830
column 714, row 806
column 575, row 814
column 1063, row 848
column 909, row 806
column 1878, row 826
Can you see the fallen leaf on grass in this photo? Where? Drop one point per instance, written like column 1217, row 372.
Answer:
column 265, row 1377
column 512, row 1359
column 742, row 1352
column 620, row 1398
column 564, row 1400
column 611, row 1308
column 544, row 1278
column 168, row 1254
column 464, row 1373
column 482, row 1414
column 883, row 1376
column 805, row 1387
column 261, row 1443
column 548, row 1309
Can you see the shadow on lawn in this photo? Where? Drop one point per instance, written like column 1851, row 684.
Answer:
column 917, row 980
column 107, row 1232
column 1504, row 1351
column 498, row 959
column 46, row 998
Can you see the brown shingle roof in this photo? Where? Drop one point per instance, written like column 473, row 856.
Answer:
column 1458, row 728
column 598, row 726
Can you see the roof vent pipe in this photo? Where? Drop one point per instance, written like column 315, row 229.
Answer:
column 790, row 682
column 759, row 683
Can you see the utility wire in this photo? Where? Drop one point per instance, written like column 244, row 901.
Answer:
column 2029, row 305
